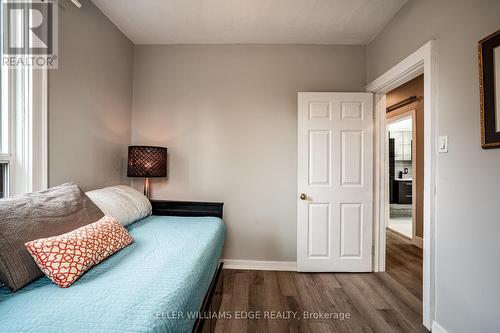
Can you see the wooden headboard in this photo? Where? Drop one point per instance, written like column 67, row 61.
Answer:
column 187, row 208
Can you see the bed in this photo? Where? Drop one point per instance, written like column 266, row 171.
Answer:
column 157, row 284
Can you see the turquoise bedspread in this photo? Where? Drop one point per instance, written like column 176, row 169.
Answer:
column 164, row 274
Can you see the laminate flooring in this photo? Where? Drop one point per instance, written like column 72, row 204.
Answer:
column 273, row 301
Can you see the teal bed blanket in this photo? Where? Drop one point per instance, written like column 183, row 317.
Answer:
column 157, row 284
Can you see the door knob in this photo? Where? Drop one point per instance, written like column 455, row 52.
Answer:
column 303, row 196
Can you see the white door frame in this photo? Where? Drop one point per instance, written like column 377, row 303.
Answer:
column 422, row 61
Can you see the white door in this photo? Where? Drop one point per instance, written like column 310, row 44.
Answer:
column 335, row 182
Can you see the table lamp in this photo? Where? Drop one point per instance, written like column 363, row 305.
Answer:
column 147, row 162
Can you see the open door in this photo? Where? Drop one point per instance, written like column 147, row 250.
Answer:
column 335, row 182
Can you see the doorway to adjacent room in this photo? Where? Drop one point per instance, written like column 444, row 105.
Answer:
column 421, row 62
column 401, row 204
column 404, row 128
column 405, row 160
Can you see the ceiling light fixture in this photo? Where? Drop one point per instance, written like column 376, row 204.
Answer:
column 77, row 3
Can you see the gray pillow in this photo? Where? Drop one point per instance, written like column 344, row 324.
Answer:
column 38, row 215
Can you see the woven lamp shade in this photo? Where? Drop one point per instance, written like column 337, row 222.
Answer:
column 147, row 161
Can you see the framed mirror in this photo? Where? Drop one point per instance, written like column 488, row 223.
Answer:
column 489, row 82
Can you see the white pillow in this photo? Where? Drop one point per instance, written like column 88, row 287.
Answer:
column 121, row 202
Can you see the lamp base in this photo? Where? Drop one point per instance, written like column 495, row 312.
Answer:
column 146, row 187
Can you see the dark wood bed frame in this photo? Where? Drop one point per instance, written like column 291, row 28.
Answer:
column 213, row 298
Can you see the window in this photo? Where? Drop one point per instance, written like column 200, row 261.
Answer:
column 4, row 124
column 3, row 179
column 23, row 124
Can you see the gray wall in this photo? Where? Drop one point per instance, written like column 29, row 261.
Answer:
column 228, row 115
column 90, row 98
column 468, row 195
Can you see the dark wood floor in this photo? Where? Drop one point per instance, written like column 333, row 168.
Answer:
column 404, row 263
column 375, row 302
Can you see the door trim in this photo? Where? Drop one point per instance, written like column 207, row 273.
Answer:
column 422, row 61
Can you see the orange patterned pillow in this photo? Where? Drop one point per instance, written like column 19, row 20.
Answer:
column 66, row 257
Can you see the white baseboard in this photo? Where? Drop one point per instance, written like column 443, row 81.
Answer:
column 260, row 265
column 436, row 328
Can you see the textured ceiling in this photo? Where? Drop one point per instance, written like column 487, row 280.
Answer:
column 250, row 21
